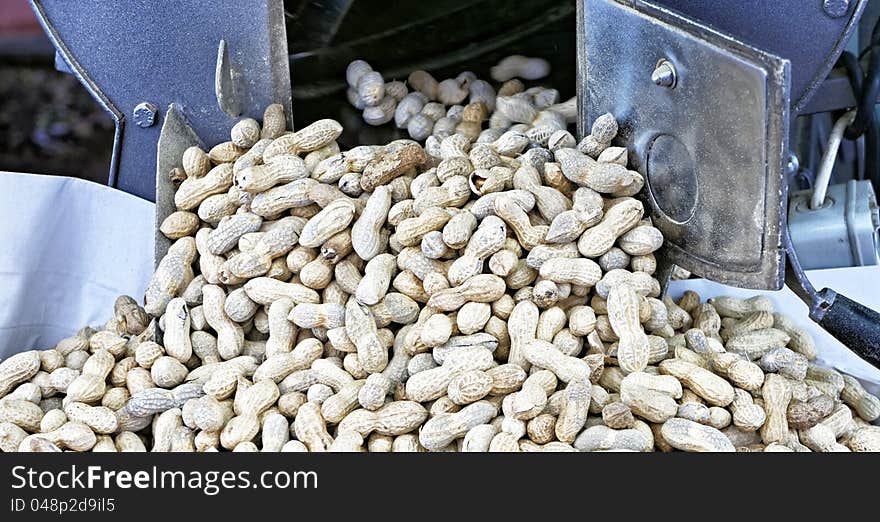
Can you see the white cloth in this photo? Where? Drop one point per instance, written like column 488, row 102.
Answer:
column 70, row 247
column 861, row 284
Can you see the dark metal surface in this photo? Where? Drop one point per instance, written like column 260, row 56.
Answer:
column 713, row 148
column 799, row 31
column 834, row 93
column 134, row 51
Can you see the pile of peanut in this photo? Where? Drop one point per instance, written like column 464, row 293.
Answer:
column 470, row 295
column 436, row 110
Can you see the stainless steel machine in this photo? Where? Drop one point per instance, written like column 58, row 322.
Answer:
column 708, row 95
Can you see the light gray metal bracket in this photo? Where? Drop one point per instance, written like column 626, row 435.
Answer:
column 176, row 136
column 842, row 232
column 129, row 53
column 712, row 145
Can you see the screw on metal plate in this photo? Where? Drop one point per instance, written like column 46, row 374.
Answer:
column 835, row 8
column 145, row 114
column 664, row 74
column 793, row 165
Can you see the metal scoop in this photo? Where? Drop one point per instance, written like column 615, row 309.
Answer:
column 706, row 117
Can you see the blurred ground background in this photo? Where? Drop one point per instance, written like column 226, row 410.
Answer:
column 49, row 124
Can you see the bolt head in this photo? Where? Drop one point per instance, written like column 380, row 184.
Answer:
column 793, row 164
column 835, row 8
column 145, row 114
column 664, row 74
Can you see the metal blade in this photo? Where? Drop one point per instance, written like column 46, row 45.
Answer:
column 176, row 136
column 137, row 58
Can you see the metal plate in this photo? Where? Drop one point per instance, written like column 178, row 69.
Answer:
column 711, row 148
column 176, row 136
column 128, row 53
column 805, row 33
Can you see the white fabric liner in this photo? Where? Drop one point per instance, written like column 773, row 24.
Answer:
column 70, row 247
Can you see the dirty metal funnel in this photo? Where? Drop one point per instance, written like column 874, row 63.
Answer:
column 706, row 119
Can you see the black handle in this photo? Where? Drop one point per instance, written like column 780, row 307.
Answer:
column 853, row 324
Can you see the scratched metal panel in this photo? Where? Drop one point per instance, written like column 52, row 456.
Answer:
column 138, row 51
column 711, row 147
